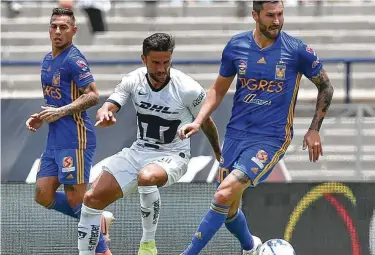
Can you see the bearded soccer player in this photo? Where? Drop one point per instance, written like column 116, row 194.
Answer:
column 164, row 99
column 69, row 90
column 269, row 65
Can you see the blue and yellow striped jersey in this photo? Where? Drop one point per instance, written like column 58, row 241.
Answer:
column 267, row 83
column 61, row 78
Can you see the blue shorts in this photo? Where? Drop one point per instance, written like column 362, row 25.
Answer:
column 71, row 166
column 256, row 158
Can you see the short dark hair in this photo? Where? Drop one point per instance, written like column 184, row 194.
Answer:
column 158, row 42
column 64, row 11
column 258, row 5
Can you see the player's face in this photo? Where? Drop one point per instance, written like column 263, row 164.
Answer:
column 61, row 31
column 158, row 65
column 270, row 19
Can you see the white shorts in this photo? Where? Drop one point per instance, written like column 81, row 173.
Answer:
column 126, row 164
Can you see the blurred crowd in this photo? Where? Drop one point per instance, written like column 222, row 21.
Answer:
column 95, row 10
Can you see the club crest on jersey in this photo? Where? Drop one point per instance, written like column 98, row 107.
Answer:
column 242, row 66
column 56, row 79
column 280, row 70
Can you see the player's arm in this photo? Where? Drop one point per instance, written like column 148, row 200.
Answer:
column 210, row 130
column 88, row 98
column 105, row 116
column 215, row 94
column 324, row 98
column 214, row 97
column 312, row 68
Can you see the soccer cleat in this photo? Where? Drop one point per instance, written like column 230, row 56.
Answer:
column 257, row 244
column 148, row 248
column 107, row 220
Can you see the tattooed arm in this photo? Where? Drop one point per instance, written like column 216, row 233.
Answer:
column 324, row 98
column 210, row 130
column 89, row 97
column 325, row 93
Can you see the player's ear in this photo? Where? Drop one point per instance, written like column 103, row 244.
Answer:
column 75, row 30
column 255, row 15
column 143, row 57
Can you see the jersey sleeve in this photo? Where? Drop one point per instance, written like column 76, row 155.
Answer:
column 122, row 92
column 227, row 67
column 81, row 72
column 194, row 98
column 308, row 61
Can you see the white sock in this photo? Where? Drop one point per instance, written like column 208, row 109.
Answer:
column 88, row 230
column 150, row 210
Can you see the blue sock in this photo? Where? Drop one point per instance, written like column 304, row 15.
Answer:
column 210, row 224
column 237, row 225
column 102, row 246
column 61, row 204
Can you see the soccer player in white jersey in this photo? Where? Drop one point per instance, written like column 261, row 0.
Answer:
column 165, row 99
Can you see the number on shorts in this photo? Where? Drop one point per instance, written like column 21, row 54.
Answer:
column 155, row 129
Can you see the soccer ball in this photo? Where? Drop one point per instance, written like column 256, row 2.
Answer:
column 276, row 247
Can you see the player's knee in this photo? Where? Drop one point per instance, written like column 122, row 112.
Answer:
column 224, row 197
column 93, row 202
column 74, row 194
column 43, row 198
column 149, row 178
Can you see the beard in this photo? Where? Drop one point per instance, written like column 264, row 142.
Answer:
column 266, row 30
column 156, row 76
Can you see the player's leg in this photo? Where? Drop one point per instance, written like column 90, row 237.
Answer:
column 256, row 162
column 118, row 179
column 47, row 183
column 229, row 189
column 160, row 171
column 236, row 223
column 150, row 211
column 74, row 171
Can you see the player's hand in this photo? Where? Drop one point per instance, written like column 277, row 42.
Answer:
column 34, row 123
column 50, row 114
column 105, row 119
column 186, row 131
column 312, row 141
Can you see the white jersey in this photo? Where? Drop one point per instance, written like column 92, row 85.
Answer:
column 161, row 112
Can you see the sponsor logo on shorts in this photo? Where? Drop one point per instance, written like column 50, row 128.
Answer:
column 255, row 170
column 260, row 158
column 68, row 165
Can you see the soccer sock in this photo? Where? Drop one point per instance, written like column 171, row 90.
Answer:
column 88, row 230
column 237, row 225
column 210, row 224
column 102, row 246
column 61, row 204
column 150, row 209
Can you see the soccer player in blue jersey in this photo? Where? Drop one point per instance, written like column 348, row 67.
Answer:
column 269, row 64
column 69, row 90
